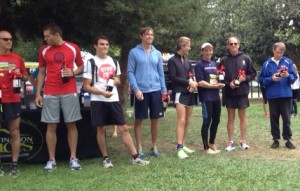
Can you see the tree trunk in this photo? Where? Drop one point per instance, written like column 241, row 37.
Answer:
column 123, row 88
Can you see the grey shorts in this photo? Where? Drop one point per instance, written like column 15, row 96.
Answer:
column 67, row 103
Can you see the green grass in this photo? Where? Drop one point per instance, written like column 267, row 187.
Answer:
column 258, row 168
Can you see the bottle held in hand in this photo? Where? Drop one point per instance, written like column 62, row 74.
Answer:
column 236, row 81
column 165, row 99
column 221, row 74
column 65, row 79
column 281, row 70
column 191, row 79
column 17, row 85
column 110, row 84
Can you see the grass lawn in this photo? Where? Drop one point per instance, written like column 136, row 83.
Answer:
column 259, row 168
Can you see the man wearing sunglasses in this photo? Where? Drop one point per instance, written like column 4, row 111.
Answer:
column 12, row 71
column 239, row 72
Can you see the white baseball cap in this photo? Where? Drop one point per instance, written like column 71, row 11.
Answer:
column 205, row 45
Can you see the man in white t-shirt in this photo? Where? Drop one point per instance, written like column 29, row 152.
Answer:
column 106, row 108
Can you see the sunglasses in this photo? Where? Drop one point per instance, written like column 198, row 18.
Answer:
column 231, row 44
column 6, row 39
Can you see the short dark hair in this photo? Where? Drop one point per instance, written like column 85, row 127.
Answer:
column 95, row 41
column 53, row 28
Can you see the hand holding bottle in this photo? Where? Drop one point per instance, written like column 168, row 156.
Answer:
column 165, row 99
column 110, row 83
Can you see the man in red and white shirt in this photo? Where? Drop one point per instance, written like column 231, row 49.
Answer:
column 11, row 67
column 56, row 73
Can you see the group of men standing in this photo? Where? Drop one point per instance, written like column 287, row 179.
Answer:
column 146, row 77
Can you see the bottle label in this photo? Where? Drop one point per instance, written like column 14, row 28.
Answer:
column 213, row 79
column 221, row 77
column 110, row 85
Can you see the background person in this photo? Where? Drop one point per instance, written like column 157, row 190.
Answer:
column 147, row 80
column 277, row 75
column 56, row 60
column 106, row 108
column 209, row 96
column 32, row 79
column 180, row 70
column 239, row 72
column 11, row 101
column 265, row 101
column 295, row 90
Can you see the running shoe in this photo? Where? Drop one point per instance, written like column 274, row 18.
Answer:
column 142, row 155
column 275, row 144
column 211, row 152
column 74, row 164
column 187, row 150
column 13, row 169
column 289, row 144
column 140, row 161
column 230, row 146
column 181, row 154
column 243, row 145
column 51, row 165
column 107, row 163
column 154, row 153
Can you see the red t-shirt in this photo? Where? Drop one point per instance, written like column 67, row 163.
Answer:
column 53, row 57
column 6, row 76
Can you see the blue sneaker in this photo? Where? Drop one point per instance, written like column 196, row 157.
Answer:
column 142, row 155
column 154, row 153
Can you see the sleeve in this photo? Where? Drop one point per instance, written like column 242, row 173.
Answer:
column 41, row 59
column 22, row 67
column 131, row 67
column 87, row 71
column 251, row 72
column 161, row 74
column 118, row 68
column 78, row 59
column 265, row 77
column 292, row 76
column 199, row 73
column 173, row 73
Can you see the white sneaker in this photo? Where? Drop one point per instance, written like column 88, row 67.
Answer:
column 74, row 164
column 139, row 161
column 51, row 165
column 187, row 150
column 230, row 146
column 107, row 163
column 244, row 145
column 181, row 154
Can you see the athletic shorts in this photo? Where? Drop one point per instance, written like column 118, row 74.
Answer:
column 236, row 102
column 153, row 101
column 106, row 113
column 186, row 99
column 11, row 111
column 53, row 104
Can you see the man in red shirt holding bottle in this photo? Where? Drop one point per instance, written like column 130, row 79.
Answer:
column 56, row 62
column 11, row 73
